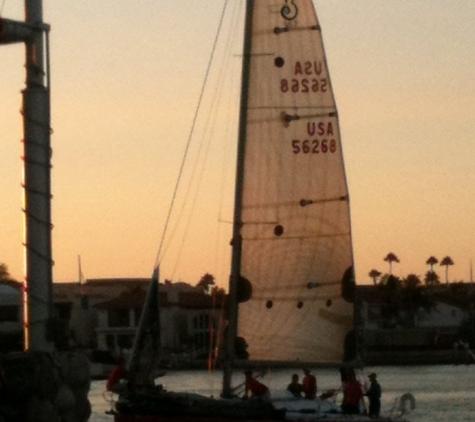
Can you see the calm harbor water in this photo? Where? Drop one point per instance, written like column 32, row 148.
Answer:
column 442, row 393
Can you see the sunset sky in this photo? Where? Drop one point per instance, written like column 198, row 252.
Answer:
column 126, row 79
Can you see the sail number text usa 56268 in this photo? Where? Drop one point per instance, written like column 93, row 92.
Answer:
column 319, row 139
column 307, row 78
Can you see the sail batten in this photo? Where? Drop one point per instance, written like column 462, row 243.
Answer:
column 300, row 203
column 276, row 107
column 286, row 29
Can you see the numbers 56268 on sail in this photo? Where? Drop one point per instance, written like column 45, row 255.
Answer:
column 318, row 139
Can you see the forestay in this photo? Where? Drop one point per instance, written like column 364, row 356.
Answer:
column 296, row 240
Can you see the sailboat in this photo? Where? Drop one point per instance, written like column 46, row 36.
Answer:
column 292, row 285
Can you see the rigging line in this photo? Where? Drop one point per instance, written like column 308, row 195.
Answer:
column 190, row 135
column 193, row 203
column 205, row 144
column 208, row 135
column 199, row 166
column 193, row 181
column 192, row 186
column 203, row 150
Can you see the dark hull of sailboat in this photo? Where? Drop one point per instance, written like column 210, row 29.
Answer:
column 184, row 407
column 161, row 418
column 163, row 405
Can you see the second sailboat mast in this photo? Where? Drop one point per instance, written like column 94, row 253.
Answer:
column 237, row 219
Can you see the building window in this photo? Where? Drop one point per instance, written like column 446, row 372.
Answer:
column 201, row 334
column 202, row 340
column 125, row 341
column 204, row 322
column 9, row 313
column 110, row 342
column 118, row 318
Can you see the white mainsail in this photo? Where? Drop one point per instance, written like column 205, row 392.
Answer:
column 295, row 224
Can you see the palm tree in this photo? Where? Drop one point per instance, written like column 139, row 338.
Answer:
column 393, row 283
column 390, row 257
column 412, row 281
column 447, row 261
column 206, row 282
column 431, row 278
column 431, row 262
column 374, row 274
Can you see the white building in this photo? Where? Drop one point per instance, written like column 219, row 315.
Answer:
column 187, row 321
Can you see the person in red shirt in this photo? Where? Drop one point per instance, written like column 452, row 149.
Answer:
column 352, row 395
column 309, row 384
column 117, row 374
column 254, row 388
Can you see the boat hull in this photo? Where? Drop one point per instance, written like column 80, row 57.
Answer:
column 185, row 407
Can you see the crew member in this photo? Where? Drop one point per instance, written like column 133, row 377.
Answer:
column 309, row 384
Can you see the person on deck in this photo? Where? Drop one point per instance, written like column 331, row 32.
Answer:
column 352, row 395
column 309, row 384
column 254, row 388
column 295, row 387
column 118, row 373
column 374, row 396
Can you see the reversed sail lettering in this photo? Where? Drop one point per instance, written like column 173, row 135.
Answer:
column 308, row 68
column 304, row 85
column 309, row 76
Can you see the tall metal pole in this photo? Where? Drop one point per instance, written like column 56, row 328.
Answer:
column 38, row 298
column 37, row 185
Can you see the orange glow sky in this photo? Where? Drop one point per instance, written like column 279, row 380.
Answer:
column 125, row 82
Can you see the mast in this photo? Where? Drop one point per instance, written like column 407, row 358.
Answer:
column 38, row 300
column 237, row 219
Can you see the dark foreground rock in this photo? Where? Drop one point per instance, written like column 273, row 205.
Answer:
column 38, row 386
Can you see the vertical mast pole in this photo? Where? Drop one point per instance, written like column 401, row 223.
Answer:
column 237, row 220
column 37, row 186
